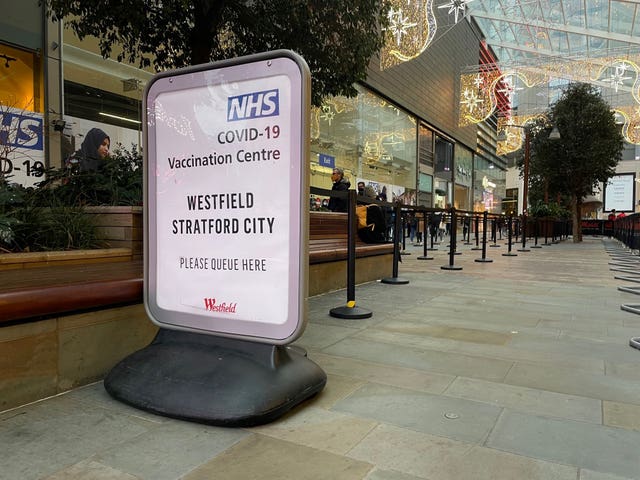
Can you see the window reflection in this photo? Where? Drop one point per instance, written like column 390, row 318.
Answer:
column 371, row 139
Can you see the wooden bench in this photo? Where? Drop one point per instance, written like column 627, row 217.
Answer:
column 328, row 254
column 47, row 291
column 328, row 239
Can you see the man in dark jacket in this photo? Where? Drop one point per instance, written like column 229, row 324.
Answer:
column 340, row 184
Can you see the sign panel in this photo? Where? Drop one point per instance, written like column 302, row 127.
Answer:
column 227, row 193
column 619, row 193
column 325, row 160
column 21, row 146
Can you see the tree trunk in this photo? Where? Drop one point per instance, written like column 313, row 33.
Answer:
column 577, row 214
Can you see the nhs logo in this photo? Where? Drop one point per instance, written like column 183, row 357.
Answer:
column 253, row 105
column 21, row 131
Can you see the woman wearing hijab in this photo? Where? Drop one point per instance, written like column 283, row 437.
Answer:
column 93, row 151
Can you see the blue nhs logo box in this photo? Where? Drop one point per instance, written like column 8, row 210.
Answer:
column 253, row 105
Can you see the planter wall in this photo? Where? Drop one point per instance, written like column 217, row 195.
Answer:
column 119, row 227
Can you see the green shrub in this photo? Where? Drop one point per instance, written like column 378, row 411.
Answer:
column 50, row 216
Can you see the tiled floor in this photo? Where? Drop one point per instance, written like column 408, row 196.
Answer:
column 516, row 369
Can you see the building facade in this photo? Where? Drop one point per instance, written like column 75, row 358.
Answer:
column 400, row 134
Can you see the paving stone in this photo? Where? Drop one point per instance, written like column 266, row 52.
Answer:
column 574, row 382
column 429, row 360
column 621, row 415
column 380, row 373
column 436, row 458
column 449, row 417
column 261, row 457
column 596, row 447
column 528, row 400
column 321, row 429
column 89, row 469
column 170, row 450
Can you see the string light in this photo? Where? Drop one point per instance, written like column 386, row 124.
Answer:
column 412, row 26
column 620, row 76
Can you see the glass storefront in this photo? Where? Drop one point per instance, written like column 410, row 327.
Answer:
column 100, row 93
column 488, row 187
column 443, row 192
column 463, row 178
column 22, row 134
column 371, row 139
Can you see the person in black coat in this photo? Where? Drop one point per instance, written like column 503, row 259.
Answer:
column 340, row 184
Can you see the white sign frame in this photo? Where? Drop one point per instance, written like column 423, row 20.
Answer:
column 620, row 193
column 211, row 265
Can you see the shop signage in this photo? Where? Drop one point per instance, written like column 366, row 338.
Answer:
column 227, row 197
column 325, row 160
column 619, row 193
column 21, row 146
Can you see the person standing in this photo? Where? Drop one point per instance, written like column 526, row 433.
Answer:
column 340, row 184
column 612, row 215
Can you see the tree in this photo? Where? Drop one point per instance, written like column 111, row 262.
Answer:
column 589, row 148
column 336, row 38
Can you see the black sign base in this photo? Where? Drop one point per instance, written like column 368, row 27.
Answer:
column 215, row 380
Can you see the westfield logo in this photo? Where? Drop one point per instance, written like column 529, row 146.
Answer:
column 211, row 306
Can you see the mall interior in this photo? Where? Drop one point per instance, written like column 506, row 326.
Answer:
column 426, row 124
column 486, row 366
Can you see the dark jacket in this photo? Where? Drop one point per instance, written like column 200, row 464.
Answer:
column 339, row 204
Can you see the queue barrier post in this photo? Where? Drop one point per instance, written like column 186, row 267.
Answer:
column 350, row 310
column 536, row 233
column 509, row 231
column 394, row 279
column 476, row 221
column 425, row 255
column 485, row 223
column 404, row 235
column 452, row 243
column 494, row 228
column 524, row 234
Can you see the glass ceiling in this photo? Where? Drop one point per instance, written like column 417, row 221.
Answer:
column 525, row 31
column 541, row 45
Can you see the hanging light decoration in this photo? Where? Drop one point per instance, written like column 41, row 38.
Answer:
column 620, row 76
column 412, row 26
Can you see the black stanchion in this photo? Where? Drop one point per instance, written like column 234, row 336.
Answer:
column 394, row 279
column 452, row 243
column 494, row 228
column 404, row 235
column 466, row 229
column 485, row 223
column 433, row 233
column 350, row 310
column 536, row 232
column 509, row 230
column 425, row 255
column 476, row 221
column 524, row 234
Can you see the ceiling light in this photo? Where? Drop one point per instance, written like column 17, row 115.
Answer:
column 118, row 117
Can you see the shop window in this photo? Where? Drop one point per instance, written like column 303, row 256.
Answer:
column 371, row 139
column 21, row 79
